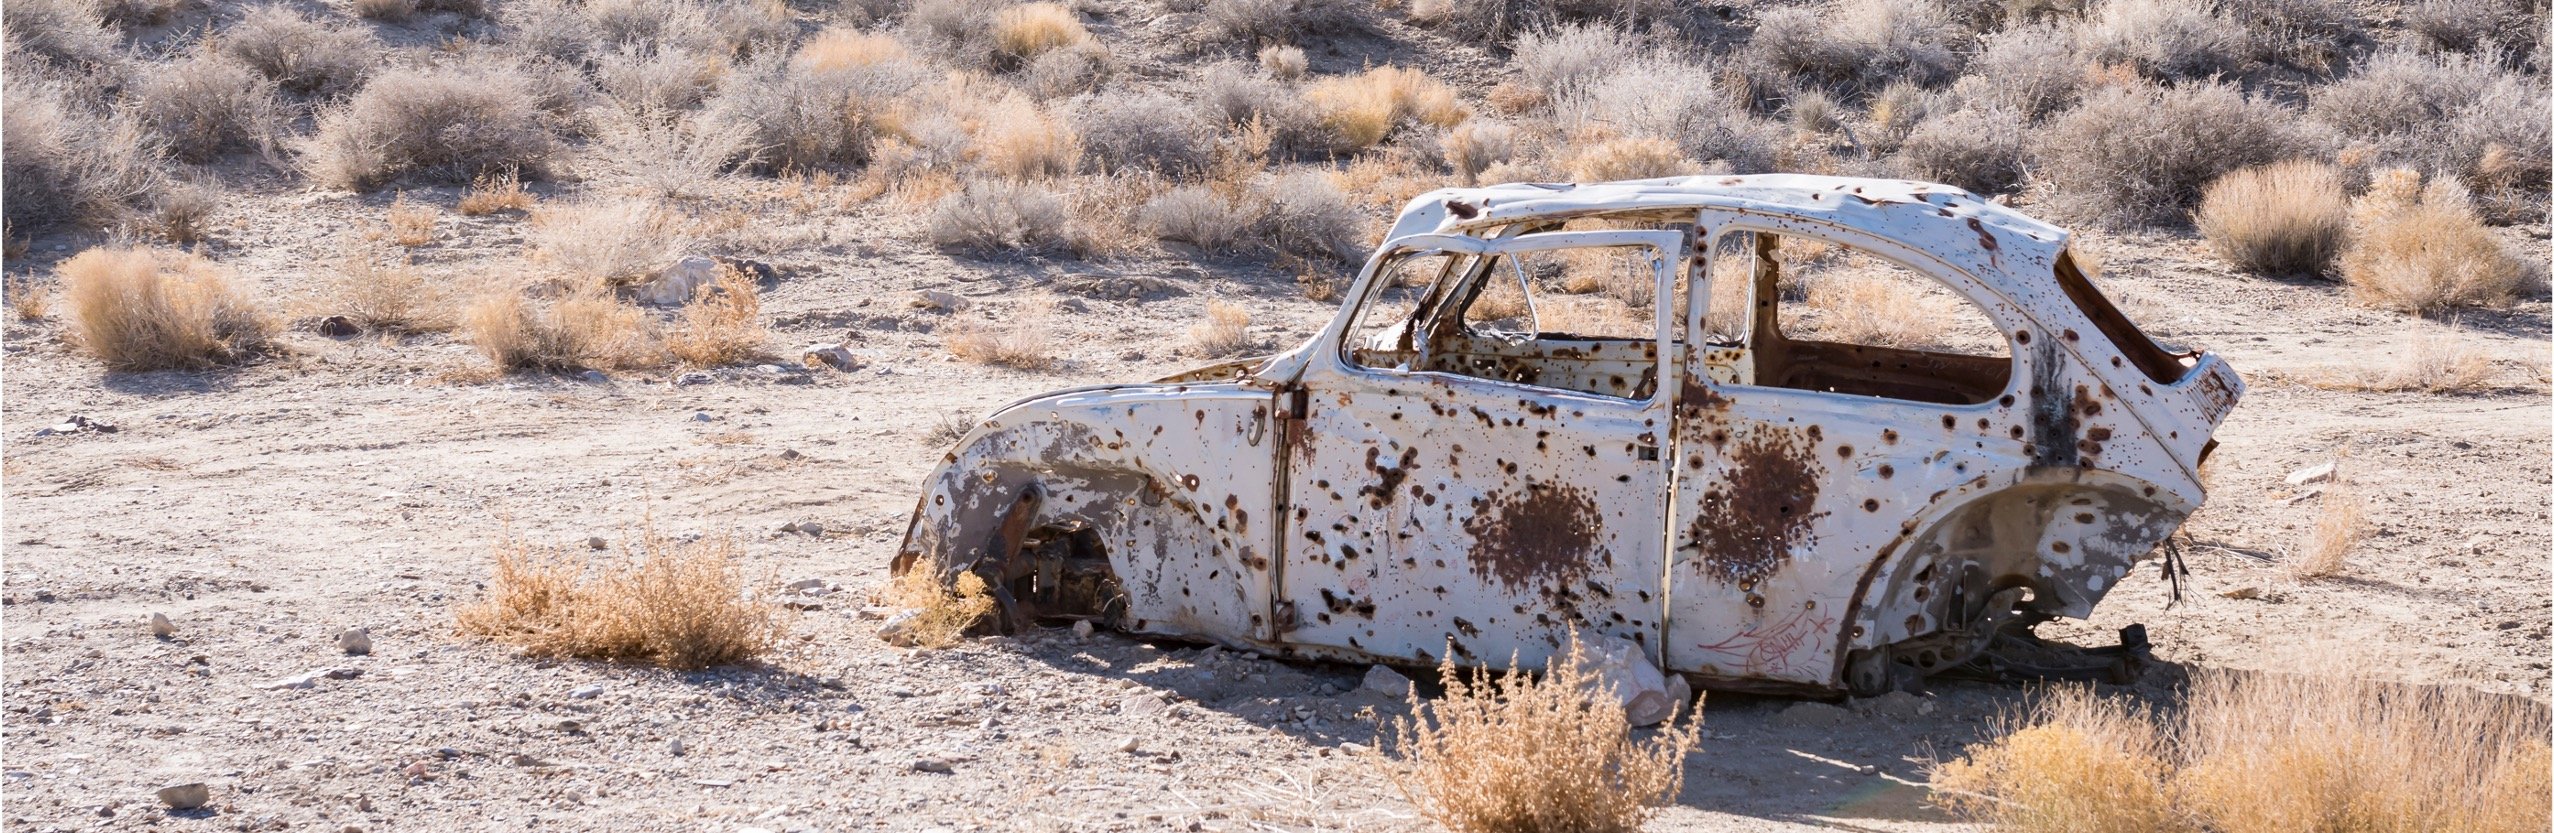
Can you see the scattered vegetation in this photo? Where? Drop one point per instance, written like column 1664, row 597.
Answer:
column 942, row 614
column 1518, row 752
column 992, row 214
column 2255, row 752
column 377, row 288
column 411, row 224
column 2424, row 249
column 1020, row 341
column 206, row 105
column 1225, row 332
column 491, row 193
column 2139, row 153
column 679, row 604
column 1197, row 216
column 1360, row 110
column 585, row 330
column 2340, row 523
column 722, row 324
column 449, row 123
column 300, row 55
column 2286, row 218
column 2428, row 364
column 137, row 308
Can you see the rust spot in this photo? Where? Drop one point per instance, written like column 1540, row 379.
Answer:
column 2085, row 403
column 1541, row 534
column 1887, row 471
column 2098, row 433
column 1748, row 529
column 1844, row 451
column 1889, row 436
column 1985, row 240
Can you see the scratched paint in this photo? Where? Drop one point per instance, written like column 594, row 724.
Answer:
column 1484, row 495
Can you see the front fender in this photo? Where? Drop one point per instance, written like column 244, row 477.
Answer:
column 1175, row 483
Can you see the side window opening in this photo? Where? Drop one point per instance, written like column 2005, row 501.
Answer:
column 1580, row 318
column 1831, row 317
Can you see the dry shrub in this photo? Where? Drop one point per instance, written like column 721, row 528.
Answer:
column 585, row 330
column 378, row 289
column 1854, row 308
column 1305, row 214
column 2258, row 752
column 299, row 54
column 2075, row 764
column 1859, row 45
column 842, row 48
column 2140, row 153
column 69, row 163
column 1516, row 752
column 1564, row 60
column 2167, row 39
column 1225, row 332
column 1021, row 33
column 1477, row 144
column 138, row 308
column 411, row 224
column 994, row 214
column 1362, row 109
column 1628, row 158
column 1285, row 63
column 182, row 212
column 659, row 80
column 1979, row 149
column 1197, row 216
column 812, row 120
column 29, row 300
column 643, row 153
column 942, row 614
column 1675, row 100
column 2340, row 523
column 678, row 604
column 2034, row 70
column 494, row 192
column 1127, row 131
column 1020, row 342
column 64, row 33
column 1274, row 21
column 2431, row 364
column 450, row 123
column 722, row 324
column 385, row 10
column 207, row 105
column 2287, row 218
column 1064, row 73
column 1021, row 141
column 610, row 243
column 2425, row 249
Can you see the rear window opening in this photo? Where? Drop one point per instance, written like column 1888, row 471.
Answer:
column 2163, row 366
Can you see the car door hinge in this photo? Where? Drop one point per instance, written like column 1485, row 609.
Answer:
column 1298, row 403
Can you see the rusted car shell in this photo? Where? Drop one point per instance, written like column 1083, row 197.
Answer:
column 1749, row 537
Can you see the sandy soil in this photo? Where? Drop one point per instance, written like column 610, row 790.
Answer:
column 362, row 483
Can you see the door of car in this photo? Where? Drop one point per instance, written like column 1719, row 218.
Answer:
column 1852, row 382
column 1453, row 486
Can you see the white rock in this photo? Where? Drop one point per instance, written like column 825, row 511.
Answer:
column 674, row 747
column 1130, row 744
column 1643, row 690
column 898, row 630
column 805, row 584
column 812, row 529
column 161, row 627
column 834, row 356
column 678, row 282
column 2478, row 543
column 1385, row 681
column 185, row 796
column 586, row 692
column 1082, row 629
column 355, row 641
column 933, row 299
column 2316, row 473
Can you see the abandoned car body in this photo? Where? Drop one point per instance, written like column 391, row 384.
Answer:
column 1448, row 466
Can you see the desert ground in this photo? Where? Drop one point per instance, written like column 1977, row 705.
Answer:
column 336, row 482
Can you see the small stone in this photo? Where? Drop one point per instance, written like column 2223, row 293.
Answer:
column 2478, row 544
column 161, row 627
column 693, row 377
column 876, row 612
column 355, row 641
column 834, row 356
column 898, row 629
column 1353, row 748
column 1811, row 716
column 585, row 692
column 811, row 529
column 338, row 326
column 677, row 283
column 594, row 376
column 573, row 727
column 185, row 796
column 805, row 584
column 674, row 747
column 2511, row 625
column 931, row 765
column 1083, row 629
column 703, row 416
column 2316, row 473
column 311, row 678
column 938, row 301
column 1130, row 744
column 596, row 543
column 1385, row 681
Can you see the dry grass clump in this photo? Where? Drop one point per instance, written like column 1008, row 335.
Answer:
column 815, row 119
column 2167, row 39
column 1860, row 45
column 2034, row 70
column 68, row 163
column 1022, row 341
column 1978, row 148
column 64, row 33
column 182, row 212
column 494, row 192
column 942, row 614
column 1305, row 214
column 27, row 299
column 2424, row 249
column 1516, row 752
column 1675, row 100
column 678, row 604
column 1128, row 131
column 842, row 48
column 1637, row 157
column 138, row 308
column 994, row 214
column 1225, row 332
column 2430, row 364
column 722, row 324
column 411, row 224
column 378, row 290
column 585, row 330
column 2341, row 521
column 2256, row 752
column 301, row 55
column 1022, row 33
column 1476, row 145
column 2139, row 153
column 1360, row 110
column 2287, row 218
column 1021, row 141
column 206, row 105
column 449, row 123
column 610, row 243
column 1197, row 216
column 1855, row 308
column 1285, row 63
